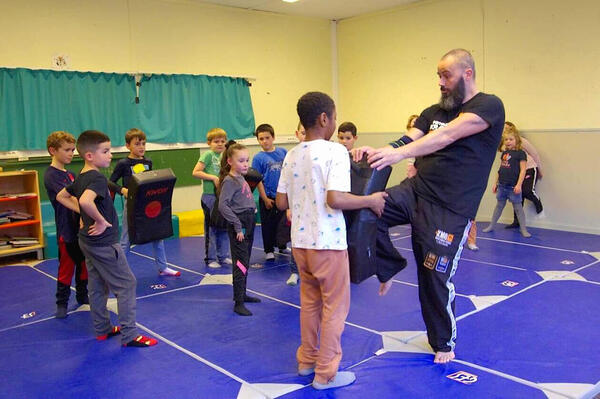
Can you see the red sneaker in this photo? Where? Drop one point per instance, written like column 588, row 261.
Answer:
column 170, row 272
column 141, row 342
column 115, row 330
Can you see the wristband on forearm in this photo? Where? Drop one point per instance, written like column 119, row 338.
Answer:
column 404, row 140
column 114, row 187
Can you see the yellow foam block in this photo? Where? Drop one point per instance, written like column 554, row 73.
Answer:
column 191, row 223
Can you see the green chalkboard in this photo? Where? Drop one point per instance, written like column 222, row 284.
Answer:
column 182, row 161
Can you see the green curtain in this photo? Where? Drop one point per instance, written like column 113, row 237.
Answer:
column 172, row 108
column 182, row 108
column 34, row 103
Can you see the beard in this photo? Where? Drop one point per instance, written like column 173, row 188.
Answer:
column 454, row 98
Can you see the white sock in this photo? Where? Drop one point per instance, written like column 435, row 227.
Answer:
column 341, row 379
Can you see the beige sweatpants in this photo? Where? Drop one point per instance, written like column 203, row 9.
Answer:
column 324, row 306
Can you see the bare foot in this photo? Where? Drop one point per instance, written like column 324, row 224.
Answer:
column 443, row 357
column 385, row 287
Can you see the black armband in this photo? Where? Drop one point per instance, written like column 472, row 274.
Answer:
column 114, row 187
column 404, row 140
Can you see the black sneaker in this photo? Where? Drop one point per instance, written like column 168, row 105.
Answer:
column 240, row 309
column 251, row 299
column 61, row 312
column 83, row 300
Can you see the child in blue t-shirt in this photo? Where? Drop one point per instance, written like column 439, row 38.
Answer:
column 513, row 164
column 268, row 162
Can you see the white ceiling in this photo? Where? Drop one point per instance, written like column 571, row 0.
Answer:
column 328, row 9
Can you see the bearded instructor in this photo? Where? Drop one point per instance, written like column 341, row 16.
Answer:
column 456, row 141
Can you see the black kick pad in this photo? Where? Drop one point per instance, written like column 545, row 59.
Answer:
column 149, row 205
column 361, row 224
column 253, row 177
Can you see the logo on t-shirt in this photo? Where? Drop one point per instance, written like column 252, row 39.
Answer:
column 505, row 160
column 216, row 163
column 436, row 125
column 139, row 167
column 246, row 190
column 275, row 166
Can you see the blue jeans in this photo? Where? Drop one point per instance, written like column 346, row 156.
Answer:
column 216, row 241
column 158, row 247
column 505, row 192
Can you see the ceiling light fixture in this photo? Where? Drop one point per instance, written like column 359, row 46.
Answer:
column 289, row 1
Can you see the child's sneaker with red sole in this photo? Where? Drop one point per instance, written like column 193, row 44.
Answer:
column 114, row 330
column 141, row 341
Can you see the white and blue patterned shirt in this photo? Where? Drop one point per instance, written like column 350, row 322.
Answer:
column 310, row 170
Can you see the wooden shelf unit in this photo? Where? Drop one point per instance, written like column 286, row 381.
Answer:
column 20, row 182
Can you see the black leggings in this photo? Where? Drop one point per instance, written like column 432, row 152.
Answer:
column 269, row 221
column 528, row 190
column 240, row 253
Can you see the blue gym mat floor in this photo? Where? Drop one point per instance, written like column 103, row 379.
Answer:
column 528, row 319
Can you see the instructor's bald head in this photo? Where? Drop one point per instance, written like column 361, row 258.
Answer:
column 462, row 58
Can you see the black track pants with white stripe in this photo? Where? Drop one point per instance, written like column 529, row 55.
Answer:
column 438, row 236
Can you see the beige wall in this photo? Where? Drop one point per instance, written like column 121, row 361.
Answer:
column 541, row 60
column 176, row 36
column 387, row 62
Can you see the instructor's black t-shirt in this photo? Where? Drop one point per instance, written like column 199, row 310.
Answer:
column 510, row 166
column 95, row 181
column 455, row 177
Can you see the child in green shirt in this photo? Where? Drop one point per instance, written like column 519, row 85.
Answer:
column 207, row 169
